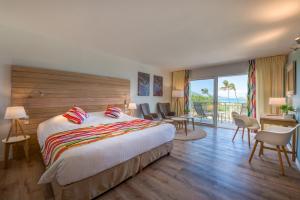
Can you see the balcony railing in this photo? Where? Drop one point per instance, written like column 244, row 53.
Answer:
column 223, row 112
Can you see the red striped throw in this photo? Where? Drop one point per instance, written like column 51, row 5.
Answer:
column 58, row 143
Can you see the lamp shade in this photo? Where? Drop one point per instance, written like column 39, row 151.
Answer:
column 277, row 101
column 177, row 93
column 132, row 106
column 15, row 112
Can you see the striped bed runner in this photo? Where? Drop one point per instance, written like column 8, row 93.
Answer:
column 58, row 143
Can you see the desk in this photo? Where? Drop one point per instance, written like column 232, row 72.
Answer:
column 279, row 120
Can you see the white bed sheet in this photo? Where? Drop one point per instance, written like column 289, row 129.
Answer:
column 84, row 161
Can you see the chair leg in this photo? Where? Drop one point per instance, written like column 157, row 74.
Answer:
column 249, row 138
column 252, row 153
column 286, row 155
column 280, row 160
column 261, row 150
column 243, row 133
column 237, row 129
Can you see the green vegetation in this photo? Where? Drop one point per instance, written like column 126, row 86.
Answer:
column 195, row 97
column 207, row 99
column 286, row 108
column 205, row 91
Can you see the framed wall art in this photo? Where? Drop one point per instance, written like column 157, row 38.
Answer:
column 143, row 84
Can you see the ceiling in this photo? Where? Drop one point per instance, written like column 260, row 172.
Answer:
column 164, row 33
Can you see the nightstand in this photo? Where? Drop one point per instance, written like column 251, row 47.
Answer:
column 24, row 139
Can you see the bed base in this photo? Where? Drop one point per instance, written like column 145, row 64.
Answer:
column 96, row 185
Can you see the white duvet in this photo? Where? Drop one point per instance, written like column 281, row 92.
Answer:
column 84, row 161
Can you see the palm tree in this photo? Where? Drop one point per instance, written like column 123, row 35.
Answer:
column 205, row 91
column 226, row 86
column 232, row 87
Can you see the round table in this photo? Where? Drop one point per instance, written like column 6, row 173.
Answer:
column 14, row 140
column 179, row 121
column 189, row 117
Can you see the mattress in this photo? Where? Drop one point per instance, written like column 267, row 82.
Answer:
column 84, row 161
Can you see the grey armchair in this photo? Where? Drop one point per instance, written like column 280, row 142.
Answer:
column 145, row 109
column 164, row 110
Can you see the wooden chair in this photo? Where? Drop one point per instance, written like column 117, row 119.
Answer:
column 145, row 109
column 277, row 136
column 243, row 121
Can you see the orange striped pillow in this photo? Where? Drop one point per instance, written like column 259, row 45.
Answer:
column 113, row 112
column 76, row 115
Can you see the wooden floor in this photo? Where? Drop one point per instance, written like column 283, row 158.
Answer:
column 210, row 168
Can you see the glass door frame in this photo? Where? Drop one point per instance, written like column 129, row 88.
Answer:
column 215, row 102
column 215, row 99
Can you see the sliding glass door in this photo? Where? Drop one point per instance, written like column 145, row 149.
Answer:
column 213, row 100
column 202, row 100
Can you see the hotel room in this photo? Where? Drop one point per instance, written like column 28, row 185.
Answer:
column 149, row 99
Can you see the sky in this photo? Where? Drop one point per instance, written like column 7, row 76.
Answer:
column 240, row 82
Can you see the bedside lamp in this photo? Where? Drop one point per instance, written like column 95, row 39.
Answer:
column 132, row 107
column 177, row 94
column 277, row 102
column 15, row 113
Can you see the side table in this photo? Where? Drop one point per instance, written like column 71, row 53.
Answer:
column 15, row 140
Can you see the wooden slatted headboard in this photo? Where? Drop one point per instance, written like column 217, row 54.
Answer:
column 46, row 93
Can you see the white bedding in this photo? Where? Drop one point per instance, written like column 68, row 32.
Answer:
column 84, row 161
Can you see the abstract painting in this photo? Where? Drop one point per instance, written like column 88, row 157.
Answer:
column 143, row 84
column 157, row 85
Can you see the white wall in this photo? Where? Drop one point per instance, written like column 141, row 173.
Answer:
column 220, row 70
column 21, row 48
column 4, row 98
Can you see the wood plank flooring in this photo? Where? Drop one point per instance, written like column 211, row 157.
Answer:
column 210, row 168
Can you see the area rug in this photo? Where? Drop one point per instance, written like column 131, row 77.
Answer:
column 192, row 135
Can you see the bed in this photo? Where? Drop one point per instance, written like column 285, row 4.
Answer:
column 87, row 171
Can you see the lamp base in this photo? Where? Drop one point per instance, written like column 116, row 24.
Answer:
column 178, row 107
column 15, row 127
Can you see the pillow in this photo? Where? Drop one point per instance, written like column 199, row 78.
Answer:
column 113, row 112
column 76, row 115
column 81, row 111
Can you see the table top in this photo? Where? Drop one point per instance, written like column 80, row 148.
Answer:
column 178, row 119
column 16, row 139
column 188, row 116
column 276, row 118
column 168, row 120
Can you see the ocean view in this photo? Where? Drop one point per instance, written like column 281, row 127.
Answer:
column 232, row 100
